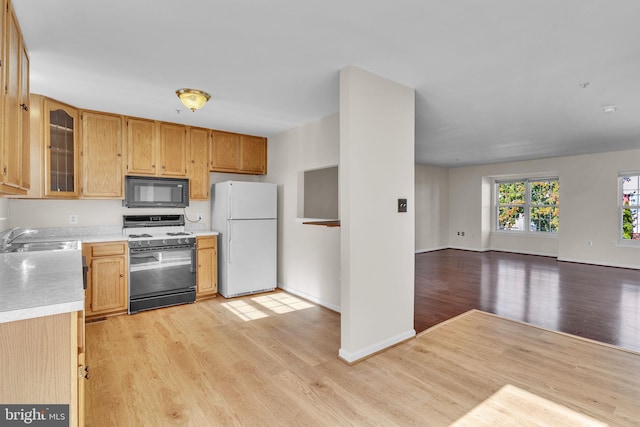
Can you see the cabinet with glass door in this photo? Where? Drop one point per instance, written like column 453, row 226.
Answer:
column 61, row 150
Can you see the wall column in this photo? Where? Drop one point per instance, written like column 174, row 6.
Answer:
column 377, row 136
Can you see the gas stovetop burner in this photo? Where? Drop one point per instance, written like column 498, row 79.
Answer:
column 134, row 236
column 179, row 233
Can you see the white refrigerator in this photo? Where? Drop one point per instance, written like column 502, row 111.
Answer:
column 245, row 215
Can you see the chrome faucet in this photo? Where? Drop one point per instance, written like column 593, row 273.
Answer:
column 8, row 236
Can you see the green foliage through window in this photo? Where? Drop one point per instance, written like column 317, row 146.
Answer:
column 528, row 205
column 630, row 207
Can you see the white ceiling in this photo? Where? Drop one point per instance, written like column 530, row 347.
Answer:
column 495, row 80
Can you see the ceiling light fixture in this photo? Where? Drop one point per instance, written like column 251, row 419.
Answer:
column 610, row 109
column 193, row 99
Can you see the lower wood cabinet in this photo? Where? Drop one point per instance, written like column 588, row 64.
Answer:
column 43, row 363
column 207, row 272
column 106, row 292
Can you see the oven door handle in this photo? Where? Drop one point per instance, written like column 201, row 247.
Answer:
column 145, row 254
column 146, row 257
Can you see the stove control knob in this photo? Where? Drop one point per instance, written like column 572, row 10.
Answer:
column 164, row 242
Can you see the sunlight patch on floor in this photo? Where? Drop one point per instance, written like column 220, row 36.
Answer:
column 244, row 310
column 278, row 303
column 281, row 303
column 512, row 406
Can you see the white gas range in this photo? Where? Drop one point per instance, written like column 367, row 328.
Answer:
column 162, row 261
column 156, row 230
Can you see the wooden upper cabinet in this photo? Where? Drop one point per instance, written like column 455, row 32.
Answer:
column 199, row 164
column 102, row 144
column 174, row 150
column 14, row 140
column 60, row 150
column 224, row 152
column 157, row 148
column 236, row 153
column 142, row 147
column 253, row 151
column 25, row 122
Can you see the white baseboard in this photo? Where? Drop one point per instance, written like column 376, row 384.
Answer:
column 421, row 251
column 309, row 297
column 524, row 252
column 579, row 261
column 462, row 248
column 604, row 264
column 352, row 357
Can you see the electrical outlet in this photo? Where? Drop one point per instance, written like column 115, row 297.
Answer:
column 73, row 219
column 199, row 216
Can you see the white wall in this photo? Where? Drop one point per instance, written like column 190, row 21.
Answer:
column 432, row 208
column 308, row 255
column 588, row 208
column 4, row 214
column 377, row 243
column 91, row 213
column 94, row 213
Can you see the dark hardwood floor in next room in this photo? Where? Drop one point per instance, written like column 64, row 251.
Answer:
column 595, row 302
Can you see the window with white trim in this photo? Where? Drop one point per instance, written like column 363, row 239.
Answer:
column 629, row 206
column 528, row 205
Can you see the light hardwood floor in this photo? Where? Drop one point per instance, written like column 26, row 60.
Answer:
column 272, row 360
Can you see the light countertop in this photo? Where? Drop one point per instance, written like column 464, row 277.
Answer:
column 205, row 233
column 90, row 234
column 41, row 283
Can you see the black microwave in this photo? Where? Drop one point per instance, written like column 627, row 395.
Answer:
column 150, row 192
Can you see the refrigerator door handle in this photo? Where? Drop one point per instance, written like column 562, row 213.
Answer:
column 230, row 241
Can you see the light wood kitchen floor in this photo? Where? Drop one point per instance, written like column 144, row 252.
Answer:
column 271, row 360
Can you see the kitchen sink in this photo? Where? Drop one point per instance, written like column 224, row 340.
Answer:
column 41, row 246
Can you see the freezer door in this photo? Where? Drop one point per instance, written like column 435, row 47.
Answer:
column 252, row 200
column 251, row 257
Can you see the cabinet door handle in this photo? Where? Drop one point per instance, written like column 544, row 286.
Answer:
column 122, row 275
column 24, row 107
